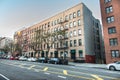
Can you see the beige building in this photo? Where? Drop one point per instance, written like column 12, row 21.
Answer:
column 83, row 36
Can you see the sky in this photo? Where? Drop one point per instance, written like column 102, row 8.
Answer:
column 16, row 14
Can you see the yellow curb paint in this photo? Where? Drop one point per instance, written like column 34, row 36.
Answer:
column 65, row 72
column 45, row 69
column 97, row 77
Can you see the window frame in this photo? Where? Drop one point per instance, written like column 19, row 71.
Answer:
column 79, row 22
column 115, row 53
column 109, row 9
column 80, row 42
column 112, row 30
column 78, row 13
column 107, row 1
column 75, row 43
column 74, row 14
column 110, row 19
column 79, row 32
column 113, row 41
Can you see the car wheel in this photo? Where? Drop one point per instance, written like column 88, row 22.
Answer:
column 112, row 68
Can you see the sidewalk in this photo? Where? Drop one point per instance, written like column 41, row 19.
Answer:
column 88, row 65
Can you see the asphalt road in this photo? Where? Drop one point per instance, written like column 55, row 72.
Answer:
column 23, row 70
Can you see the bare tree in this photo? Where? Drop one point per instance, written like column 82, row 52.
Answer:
column 45, row 38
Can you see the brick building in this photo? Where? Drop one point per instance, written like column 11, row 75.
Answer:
column 111, row 27
column 83, row 35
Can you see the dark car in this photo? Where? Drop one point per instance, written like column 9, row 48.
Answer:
column 42, row 60
column 54, row 61
column 58, row 61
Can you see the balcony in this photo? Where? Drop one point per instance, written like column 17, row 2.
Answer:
column 64, row 38
column 66, row 47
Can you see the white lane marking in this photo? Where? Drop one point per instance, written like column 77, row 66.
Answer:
column 62, row 77
column 4, row 77
column 47, row 73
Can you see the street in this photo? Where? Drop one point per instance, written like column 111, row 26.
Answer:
column 23, row 70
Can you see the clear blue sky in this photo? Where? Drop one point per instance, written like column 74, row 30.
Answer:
column 15, row 14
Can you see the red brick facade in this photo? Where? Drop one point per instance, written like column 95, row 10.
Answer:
column 115, row 4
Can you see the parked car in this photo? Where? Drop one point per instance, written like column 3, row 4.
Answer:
column 114, row 66
column 16, row 58
column 54, row 61
column 23, row 58
column 8, row 57
column 32, row 59
column 42, row 60
column 12, row 58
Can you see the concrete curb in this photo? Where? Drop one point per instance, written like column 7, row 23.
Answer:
column 103, row 66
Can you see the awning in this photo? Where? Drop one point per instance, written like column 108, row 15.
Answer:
column 46, row 51
column 80, row 51
column 42, row 52
column 73, row 51
column 56, row 52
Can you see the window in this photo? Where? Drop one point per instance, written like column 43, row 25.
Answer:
column 109, row 9
column 66, row 34
column 70, row 33
column 79, row 32
column 70, row 16
column 79, row 42
column 61, row 19
column 113, row 42
column 66, row 44
column 74, row 23
column 71, row 25
column 55, row 22
column 74, row 33
column 55, row 45
column 75, row 44
column 80, row 53
column 60, row 44
column 78, row 13
column 66, row 26
column 106, row 1
column 79, row 22
column 115, row 53
column 70, row 43
column 74, row 15
column 66, row 17
column 110, row 19
column 58, row 20
column 111, row 30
